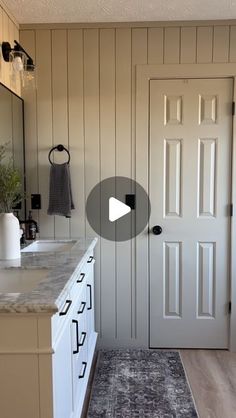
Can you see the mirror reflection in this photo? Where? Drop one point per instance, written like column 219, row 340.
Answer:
column 12, row 134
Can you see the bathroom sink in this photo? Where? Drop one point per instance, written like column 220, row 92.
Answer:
column 20, row 280
column 49, row 246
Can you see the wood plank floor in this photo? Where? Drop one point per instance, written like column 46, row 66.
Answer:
column 212, row 377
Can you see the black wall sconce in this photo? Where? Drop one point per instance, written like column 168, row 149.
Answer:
column 17, row 51
column 21, row 62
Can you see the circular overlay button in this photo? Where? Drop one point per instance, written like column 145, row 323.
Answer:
column 118, row 208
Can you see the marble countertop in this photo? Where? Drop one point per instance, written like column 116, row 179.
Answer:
column 50, row 293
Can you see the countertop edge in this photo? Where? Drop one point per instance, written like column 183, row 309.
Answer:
column 10, row 304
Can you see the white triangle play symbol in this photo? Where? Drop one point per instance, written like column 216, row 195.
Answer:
column 117, row 209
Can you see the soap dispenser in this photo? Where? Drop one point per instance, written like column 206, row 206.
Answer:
column 31, row 229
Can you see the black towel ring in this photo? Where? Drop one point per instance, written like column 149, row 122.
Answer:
column 59, row 148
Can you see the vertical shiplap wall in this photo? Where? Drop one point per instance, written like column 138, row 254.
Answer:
column 8, row 32
column 86, row 100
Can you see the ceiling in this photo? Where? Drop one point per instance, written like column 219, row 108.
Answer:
column 63, row 11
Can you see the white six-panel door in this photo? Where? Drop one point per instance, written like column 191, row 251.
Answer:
column 189, row 181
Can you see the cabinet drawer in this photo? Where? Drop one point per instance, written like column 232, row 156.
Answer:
column 81, row 275
column 79, row 376
column 79, row 335
column 79, row 324
column 65, row 311
column 59, row 319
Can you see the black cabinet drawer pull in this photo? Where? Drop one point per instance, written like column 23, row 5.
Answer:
column 90, row 259
column 81, row 278
column 83, row 339
column 74, row 321
column 90, row 293
column 84, row 363
column 81, row 310
column 67, row 305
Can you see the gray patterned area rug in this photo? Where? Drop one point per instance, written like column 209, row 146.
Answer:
column 140, row 384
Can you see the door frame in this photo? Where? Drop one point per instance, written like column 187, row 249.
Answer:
column 145, row 73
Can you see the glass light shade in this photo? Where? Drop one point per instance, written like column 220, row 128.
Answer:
column 17, row 64
column 22, row 71
column 17, row 60
column 28, row 79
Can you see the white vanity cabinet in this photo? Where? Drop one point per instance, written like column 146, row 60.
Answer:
column 79, row 347
column 57, row 355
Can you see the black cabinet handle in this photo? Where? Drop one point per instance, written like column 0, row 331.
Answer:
column 67, row 305
column 74, row 321
column 84, row 363
column 90, row 259
column 81, row 278
column 81, row 310
column 90, row 293
column 83, row 339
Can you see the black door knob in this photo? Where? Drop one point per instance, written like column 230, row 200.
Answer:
column 157, row 230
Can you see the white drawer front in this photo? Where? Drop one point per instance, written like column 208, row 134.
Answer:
column 79, row 377
column 80, row 276
column 61, row 317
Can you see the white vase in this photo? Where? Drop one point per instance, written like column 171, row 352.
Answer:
column 9, row 237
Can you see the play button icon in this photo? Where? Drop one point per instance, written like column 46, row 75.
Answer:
column 117, row 209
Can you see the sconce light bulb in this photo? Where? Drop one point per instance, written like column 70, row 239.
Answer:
column 18, row 64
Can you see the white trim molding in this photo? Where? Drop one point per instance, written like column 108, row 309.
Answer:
column 145, row 73
column 147, row 24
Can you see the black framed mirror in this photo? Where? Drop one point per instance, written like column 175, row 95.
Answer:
column 12, row 134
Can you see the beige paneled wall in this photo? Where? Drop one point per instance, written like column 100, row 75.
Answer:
column 86, row 100
column 8, row 32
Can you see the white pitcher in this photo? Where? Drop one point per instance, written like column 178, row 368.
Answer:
column 9, row 237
